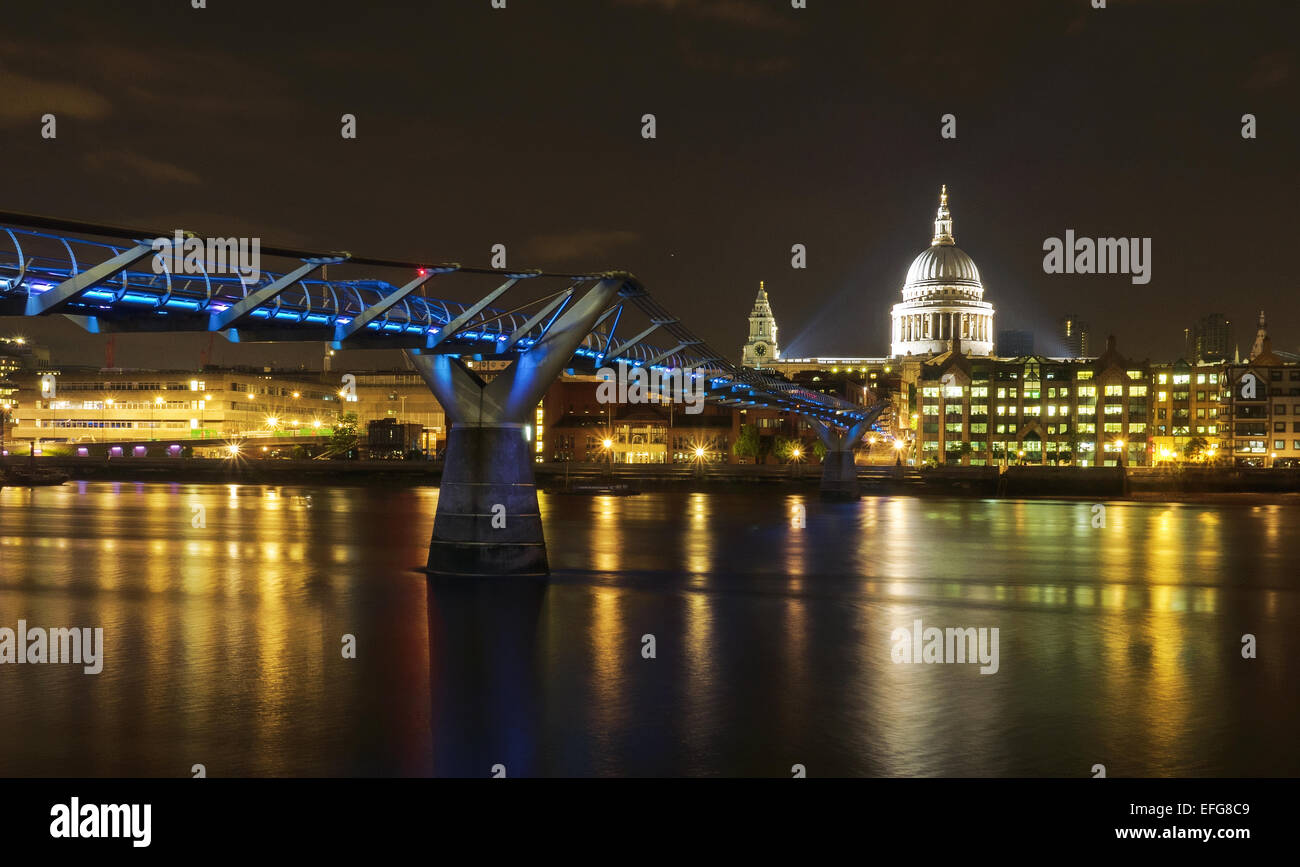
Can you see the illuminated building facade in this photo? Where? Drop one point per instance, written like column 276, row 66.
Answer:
column 1260, row 407
column 65, row 406
column 1186, row 424
column 979, row 411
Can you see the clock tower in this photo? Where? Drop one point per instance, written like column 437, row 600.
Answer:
column 761, row 347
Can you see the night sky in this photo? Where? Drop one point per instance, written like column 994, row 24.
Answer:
column 775, row 126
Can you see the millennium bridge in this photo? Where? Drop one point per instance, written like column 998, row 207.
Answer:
column 536, row 324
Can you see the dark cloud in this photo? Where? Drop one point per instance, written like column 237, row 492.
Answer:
column 583, row 248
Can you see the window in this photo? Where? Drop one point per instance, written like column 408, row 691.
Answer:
column 1279, row 444
column 1114, row 391
column 979, row 391
column 1084, row 374
column 1137, row 427
column 1182, row 378
column 930, row 391
column 953, row 391
column 1137, row 391
column 1135, row 374
column 1279, row 409
column 1162, row 378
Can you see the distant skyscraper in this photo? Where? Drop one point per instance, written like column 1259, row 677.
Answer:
column 1074, row 334
column 1013, row 344
column 761, row 347
column 1209, row 339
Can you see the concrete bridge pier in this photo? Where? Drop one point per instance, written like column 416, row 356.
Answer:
column 488, row 523
column 839, row 472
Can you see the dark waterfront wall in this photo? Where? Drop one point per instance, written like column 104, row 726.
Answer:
column 961, row 481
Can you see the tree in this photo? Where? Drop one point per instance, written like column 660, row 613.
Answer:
column 784, row 447
column 1195, row 448
column 747, row 445
column 344, row 441
column 819, row 449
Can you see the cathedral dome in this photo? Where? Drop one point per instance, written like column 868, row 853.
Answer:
column 943, row 265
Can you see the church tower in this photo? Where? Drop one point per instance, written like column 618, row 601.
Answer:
column 761, row 347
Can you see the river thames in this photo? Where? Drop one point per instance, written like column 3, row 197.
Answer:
column 224, row 610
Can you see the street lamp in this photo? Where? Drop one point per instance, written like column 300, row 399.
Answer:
column 608, row 445
column 1119, row 446
column 153, row 415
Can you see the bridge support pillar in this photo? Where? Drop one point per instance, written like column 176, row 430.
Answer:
column 488, row 523
column 839, row 472
column 839, row 476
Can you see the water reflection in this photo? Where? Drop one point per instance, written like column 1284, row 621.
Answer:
column 1119, row 644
